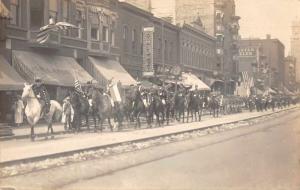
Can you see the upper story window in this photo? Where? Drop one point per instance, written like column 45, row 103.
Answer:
column 79, row 22
column 105, row 33
column 125, row 37
column 65, row 10
column 53, row 9
column 166, row 50
column 36, row 14
column 105, row 26
column 125, row 32
column 94, row 19
column 159, row 45
column 14, row 10
column 113, row 34
column 133, row 39
column 65, row 14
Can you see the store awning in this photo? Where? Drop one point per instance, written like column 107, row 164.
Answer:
column 9, row 78
column 103, row 69
column 271, row 91
column 287, row 91
column 211, row 81
column 189, row 79
column 4, row 12
column 51, row 68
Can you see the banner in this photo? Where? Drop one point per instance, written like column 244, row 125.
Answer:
column 115, row 94
column 148, row 69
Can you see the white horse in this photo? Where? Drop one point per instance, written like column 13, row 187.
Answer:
column 33, row 110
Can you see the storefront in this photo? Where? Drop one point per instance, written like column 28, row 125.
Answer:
column 11, row 84
column 104, row 70
column 58, row 73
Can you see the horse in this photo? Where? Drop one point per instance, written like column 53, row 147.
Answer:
column 179, row 106
column 33, row 111
column 157, row 108
column 81, row 108
column 141, row 105
column 214, row 106
column 102, row 108
column 194, row 106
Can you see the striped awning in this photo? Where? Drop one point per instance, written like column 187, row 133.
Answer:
column 192, row 80
column 9, row 78
column 53, row 69
column 103, row 70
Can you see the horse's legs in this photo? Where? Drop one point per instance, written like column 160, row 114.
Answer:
column 187, row 118
column 157, row 118
column 87, row 121
column 138, row 122
column 51, row 129
column 110, row 125
column 32, row 135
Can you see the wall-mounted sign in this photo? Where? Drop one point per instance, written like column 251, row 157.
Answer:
column 246, row 52
column 148, row 69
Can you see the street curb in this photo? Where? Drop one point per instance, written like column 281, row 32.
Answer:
column 67, row 153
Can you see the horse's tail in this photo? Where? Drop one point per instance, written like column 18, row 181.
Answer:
column 58, row 110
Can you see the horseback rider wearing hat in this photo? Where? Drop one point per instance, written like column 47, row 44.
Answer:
column 42, row 94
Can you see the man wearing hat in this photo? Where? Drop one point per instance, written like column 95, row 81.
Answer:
column 42, row 94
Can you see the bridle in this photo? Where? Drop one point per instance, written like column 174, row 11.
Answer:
column 29, row 97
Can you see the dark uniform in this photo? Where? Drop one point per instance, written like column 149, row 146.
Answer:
column 42, row 95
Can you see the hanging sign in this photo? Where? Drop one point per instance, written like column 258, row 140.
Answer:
column 148, row 69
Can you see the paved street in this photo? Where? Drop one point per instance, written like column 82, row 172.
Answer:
column 245, row 159
column 263, row 156
column 22, row 149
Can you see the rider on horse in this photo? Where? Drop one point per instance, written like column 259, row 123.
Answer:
column 41, row 94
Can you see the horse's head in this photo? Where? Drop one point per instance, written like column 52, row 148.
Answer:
column 27, row 91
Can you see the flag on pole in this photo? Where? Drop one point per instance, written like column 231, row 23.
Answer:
column 44, row 32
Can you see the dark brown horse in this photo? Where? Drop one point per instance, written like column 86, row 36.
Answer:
column 81, row 108
column 101, row 108
column 194, row 106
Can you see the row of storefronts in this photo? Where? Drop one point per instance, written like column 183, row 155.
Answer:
column 108, row 46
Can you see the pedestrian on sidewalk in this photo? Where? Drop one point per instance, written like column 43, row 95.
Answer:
column 68, row 113
column 19, row 111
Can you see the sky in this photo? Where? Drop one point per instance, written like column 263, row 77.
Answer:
column 261, row 17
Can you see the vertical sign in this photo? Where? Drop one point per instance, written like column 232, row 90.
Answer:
column 148, row 69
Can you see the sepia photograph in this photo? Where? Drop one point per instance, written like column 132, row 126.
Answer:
column 149, row 94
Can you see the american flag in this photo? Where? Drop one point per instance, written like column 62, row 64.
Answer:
column 44, row 32
column 248, row 81
column 78, row 87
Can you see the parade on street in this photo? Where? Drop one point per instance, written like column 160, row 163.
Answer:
column 106, row 94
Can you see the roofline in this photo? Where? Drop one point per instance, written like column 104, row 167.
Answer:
column 131, row 7
column 202, row 33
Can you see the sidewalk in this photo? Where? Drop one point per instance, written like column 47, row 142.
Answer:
column 24, row 149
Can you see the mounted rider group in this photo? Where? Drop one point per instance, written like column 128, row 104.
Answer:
column 152, row 105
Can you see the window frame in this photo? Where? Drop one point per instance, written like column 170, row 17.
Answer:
column 16, row 4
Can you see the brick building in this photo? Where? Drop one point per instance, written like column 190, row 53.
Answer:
column 295, row 46
column 290, row 72
column 184, row 45
column 272, row 51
